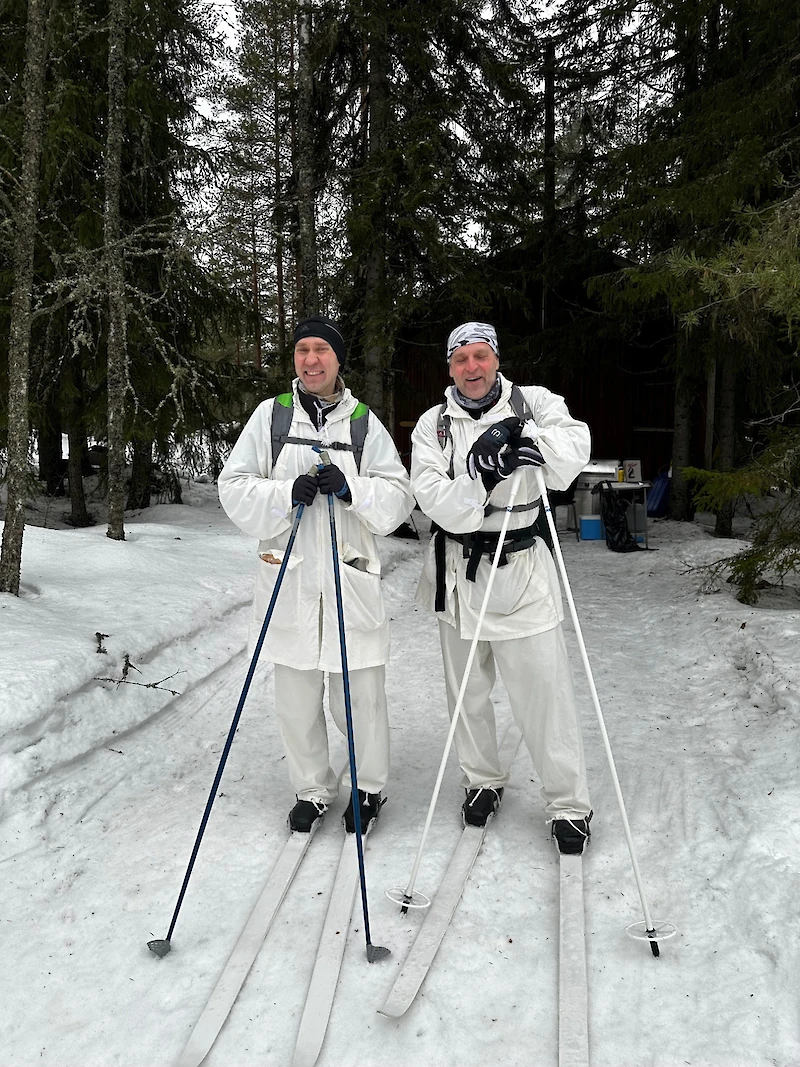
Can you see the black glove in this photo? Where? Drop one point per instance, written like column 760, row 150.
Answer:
column 525, row 454
column 485, row 453
column 304, row 490
column 332, row 480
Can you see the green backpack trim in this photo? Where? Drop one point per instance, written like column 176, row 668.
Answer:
column 283, row 413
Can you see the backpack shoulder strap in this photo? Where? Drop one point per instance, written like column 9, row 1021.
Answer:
column 359, row 424
column 445, row 434
column 520, row 404
column 282, row 413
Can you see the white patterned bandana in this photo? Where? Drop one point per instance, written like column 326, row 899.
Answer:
column 468, row 333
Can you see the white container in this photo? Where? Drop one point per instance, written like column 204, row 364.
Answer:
column 598, row 470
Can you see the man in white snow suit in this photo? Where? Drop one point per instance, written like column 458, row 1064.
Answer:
column 371, row 496
column 463, row 454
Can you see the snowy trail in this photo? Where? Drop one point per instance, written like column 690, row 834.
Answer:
column 703, row 719
column 70, row 757
column 680, row 683
column 118, row 823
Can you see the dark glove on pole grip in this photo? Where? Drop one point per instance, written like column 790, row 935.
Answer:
column 304, row 489
column 485, row 452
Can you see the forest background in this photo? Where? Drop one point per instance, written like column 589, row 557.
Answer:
column 181, row 182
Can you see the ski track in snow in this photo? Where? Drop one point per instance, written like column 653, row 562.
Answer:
column 702, row 715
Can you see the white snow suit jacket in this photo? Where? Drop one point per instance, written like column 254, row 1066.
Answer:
column 304, row 631
column 526, row 598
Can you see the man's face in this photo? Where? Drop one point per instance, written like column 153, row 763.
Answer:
column 474, row 369
column 316, row 365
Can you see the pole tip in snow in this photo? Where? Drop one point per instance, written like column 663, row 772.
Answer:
column 159, row 947
column 407, row 900
column 659, row 931
column 377, row 952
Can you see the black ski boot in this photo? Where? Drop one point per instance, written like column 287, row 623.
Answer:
column 370, row 809
column 305, row 814
column 571, row 835
column 481, row 804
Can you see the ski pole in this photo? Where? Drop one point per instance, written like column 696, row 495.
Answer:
column 665, row 930
column 374, row 952
column 162, row 946
column 407, row 898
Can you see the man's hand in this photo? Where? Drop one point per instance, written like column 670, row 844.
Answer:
column 524, row 454
column 484, row 455
column 304, row 490
column 521, row 455
column 331, row 479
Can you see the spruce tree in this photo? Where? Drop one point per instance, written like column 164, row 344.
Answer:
column 26, row 203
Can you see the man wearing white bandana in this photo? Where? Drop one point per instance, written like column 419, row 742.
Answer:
column 267, row 476
column 463, row 453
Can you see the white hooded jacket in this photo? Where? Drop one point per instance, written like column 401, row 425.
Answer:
column 304, row 631
column 526, row 598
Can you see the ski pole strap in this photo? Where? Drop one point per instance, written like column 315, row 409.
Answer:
column 476, row 545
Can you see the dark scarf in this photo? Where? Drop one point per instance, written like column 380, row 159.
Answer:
column 477, row 407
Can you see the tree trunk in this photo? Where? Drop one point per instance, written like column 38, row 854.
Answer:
column 117, row 379
column 727, row 439
column 33, row 77
column 681, row 507
column 51, row 461
column 280, row 309
column 378, row 336
column 307, row 257
column 549, row 205
column 141, row 474
column 73, row 383
column 255, row 281
column 294, row 268
column 711, row 403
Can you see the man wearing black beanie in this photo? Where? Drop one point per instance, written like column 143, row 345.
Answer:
column 328, row 330
column 265, row 478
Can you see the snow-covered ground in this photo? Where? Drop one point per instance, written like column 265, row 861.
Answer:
column 102, row 787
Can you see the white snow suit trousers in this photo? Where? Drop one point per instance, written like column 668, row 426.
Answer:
column 301, row 718
column 536, row 673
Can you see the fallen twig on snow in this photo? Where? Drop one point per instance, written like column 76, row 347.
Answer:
column 127, row 666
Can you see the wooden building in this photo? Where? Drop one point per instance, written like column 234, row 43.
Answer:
column 617, row 380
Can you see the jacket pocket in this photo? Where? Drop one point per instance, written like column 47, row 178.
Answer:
column 362, row 598
column 515, row 585
column 286, row 612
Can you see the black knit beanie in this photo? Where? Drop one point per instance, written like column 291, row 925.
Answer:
column 328, row 330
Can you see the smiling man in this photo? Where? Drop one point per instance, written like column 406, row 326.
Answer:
column 463, row 453
column 267, row 476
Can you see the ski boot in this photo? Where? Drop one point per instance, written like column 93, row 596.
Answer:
column 481, row 804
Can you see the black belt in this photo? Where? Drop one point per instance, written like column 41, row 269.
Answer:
column 475, row 546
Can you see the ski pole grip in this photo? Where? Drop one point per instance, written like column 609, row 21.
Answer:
column 325, row 459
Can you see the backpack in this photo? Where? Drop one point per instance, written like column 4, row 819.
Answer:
column 282, row 414
column 615, row 519
column 521, row 409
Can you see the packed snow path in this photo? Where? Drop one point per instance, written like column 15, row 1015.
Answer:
column 97, row 826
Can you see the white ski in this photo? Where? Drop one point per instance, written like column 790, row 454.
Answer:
column 245, row 950
column 573, row 992
column 321, row 991
column 437, row 919
column 434, row 926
